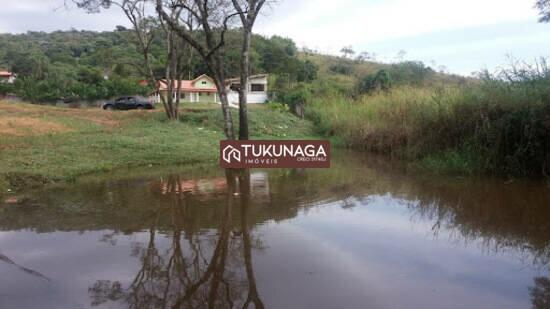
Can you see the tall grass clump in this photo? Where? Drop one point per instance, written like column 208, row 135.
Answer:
column 498, row 122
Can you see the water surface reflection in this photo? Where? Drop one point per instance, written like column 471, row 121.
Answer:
column 362, row 234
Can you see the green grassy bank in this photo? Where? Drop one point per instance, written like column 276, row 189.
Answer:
column 41, row 144
column 494, row 124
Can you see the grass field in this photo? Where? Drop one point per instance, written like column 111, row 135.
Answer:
column 40, row 144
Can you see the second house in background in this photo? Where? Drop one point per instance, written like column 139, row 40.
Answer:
column 202, row 89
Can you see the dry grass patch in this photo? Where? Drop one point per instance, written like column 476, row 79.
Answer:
column 25, row 112
column 98, row 116
column 22, row 126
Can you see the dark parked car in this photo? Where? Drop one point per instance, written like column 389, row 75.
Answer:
column 126, row 103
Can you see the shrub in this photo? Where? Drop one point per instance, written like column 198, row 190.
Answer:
column 298, row 95
column 278, row 106
column 307, row 71
column 408, row 73
column 51, row 90
column 500, row 123
column 376, row 82
column 413, row 73
column 342, row 68
column 6, row 88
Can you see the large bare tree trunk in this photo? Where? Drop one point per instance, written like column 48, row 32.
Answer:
column 211, row 50
column 244, row 190
column 243, row 90
column 174, row 69
column 248, row 11
column 227, row 118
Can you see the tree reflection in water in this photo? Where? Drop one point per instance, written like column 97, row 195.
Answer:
column 253, row 295
column 540, row 293
column 206, row 272
column 198, row 244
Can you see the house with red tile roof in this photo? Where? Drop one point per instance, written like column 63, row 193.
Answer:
column 200, row 89
column 7, row 77
column 203, row 89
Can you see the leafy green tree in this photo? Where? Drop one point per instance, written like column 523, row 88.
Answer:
column 307, row 71
column 6, row 88
column 347, row 51
column 410, row 73
column 342, row 67
column 74, row 63
column 379, row 81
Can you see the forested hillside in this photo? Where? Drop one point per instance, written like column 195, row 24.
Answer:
column 86, row 65
column 67, row 65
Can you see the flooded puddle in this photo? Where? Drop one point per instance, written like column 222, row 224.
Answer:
column 363, row 234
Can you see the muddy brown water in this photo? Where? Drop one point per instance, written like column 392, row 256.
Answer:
column 364, row 234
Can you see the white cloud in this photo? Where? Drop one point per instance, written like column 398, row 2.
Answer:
column 52, row 15
column 329, row 25
column 381, row 26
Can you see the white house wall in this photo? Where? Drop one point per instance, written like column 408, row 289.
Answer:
column 8, row 80
column 252, row 97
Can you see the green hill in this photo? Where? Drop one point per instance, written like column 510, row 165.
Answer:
column 348, row 72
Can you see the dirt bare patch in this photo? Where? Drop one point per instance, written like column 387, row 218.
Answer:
column 22, row 126
column 92, row 115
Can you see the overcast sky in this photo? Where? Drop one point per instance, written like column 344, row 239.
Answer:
column 465, row 36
